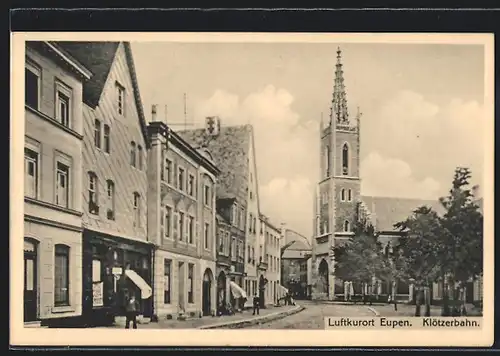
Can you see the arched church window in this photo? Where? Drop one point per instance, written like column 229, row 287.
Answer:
column 342, row 195
column 347, row 226
column 345, row 159
column 349, row 195
column 327, row 161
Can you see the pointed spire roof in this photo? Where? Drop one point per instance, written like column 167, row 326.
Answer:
column 339, row 111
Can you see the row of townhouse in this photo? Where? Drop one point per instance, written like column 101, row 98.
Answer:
column 116, row 205
column 248, row 244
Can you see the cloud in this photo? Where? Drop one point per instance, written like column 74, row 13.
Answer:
column 283, row 145
column 383, row 176
column 432, row 139
column 290, row 200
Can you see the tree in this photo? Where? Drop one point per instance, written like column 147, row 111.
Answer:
column 462, row 249
column 360, row 258
column 418, row 251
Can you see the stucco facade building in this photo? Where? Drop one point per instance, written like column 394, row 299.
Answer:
column 52, row 183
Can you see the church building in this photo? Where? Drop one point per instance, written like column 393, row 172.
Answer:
column 339, row 203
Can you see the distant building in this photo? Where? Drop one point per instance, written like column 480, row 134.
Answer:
column 296, row 264
column 234, row 273
column 271, row 241
column 53, row 183
column 233, row 150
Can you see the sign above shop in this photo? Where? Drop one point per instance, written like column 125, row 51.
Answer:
column 117, row 270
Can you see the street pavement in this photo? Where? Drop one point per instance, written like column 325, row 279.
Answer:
column 313, row 316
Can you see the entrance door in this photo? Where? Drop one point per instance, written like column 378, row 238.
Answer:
column 262, row 286
column 207, row 295
column 30, row 285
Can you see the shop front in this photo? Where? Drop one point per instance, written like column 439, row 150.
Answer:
column 114, row 268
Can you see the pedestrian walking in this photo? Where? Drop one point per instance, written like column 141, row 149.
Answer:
column 131, row 310
column 256, row 304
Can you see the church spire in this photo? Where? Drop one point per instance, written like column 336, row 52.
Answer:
column 339, row 110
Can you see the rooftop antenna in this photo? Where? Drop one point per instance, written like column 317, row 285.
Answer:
column 184, row 123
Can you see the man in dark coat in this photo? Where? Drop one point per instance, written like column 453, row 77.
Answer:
column 132, row 308
column 256, row 304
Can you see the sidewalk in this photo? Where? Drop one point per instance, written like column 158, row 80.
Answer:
column 409, row 310
column 208, row 322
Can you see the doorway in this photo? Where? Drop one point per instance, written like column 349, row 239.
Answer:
column 30, row 280
column 262, row 289
column 207, row 292
column 221, row 292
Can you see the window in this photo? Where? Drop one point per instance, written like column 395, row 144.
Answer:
column 250, row 222
column 30, row 173
column 167, row 266
column 347, row 226
column 220, row 240
column 349, row 195
column 206, row 196
column 207, row 236
column 168, row 171
column 120, row 96
column 63, row 108
column 96, row 271
column 327, row 161
column 168, row 221
column 345, row 159
column 110, row 188
column 181, row 226
column 32, row 86
column 249, row 255
column 233, row 215
column 139, row 154
column 62, row 185
column 190, row 229
column 132, row 154
column 97, row 133
column 180, row 180
column 61, row 275
column 191, row 185
column 251, row 195
column 107, row 139
column 137, row 210
column 235, row 249
column 93, row 194
column 190, row 283
column 342, row 195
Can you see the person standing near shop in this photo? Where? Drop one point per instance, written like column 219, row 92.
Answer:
column 131, row 310
column 256, row 304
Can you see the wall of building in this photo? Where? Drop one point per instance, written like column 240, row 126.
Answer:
column 46, row 223
column 116, row 165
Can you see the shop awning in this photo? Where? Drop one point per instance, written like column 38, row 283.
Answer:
column 237, row 291
column 146, row 290
column 282, row 291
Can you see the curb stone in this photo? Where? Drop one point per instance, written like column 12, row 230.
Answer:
column 259, row 320
column 374, row 311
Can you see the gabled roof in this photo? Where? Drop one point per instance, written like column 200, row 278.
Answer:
column 389, row 211
column 298, row 241
column 98, row 57
column 230, row 151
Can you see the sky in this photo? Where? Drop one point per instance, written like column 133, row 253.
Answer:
column 422, row 107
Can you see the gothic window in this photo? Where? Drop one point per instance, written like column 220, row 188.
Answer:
column 345, row 159
column 349, row 195
column 327, row 162
column 342, row 195
column 347, row 226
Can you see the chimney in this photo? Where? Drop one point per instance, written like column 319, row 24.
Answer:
column 153, row 113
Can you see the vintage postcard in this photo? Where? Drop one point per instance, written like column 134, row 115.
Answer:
column 238, row 189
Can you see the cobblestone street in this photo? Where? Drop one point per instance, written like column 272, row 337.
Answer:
column 313, row 316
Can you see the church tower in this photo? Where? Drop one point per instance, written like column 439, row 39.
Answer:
column 338, row 190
